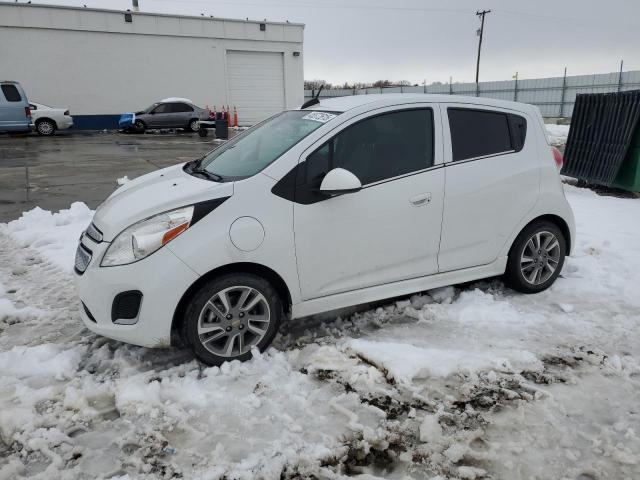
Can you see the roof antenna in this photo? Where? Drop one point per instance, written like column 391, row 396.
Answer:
column 313, row 101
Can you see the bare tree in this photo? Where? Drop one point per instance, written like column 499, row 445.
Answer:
column 316, row 84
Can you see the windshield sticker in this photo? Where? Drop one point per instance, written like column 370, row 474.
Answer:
column 322, row 117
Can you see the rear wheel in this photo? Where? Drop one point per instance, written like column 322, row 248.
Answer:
column 229, row 316
column 45, row 127
column 536, row 257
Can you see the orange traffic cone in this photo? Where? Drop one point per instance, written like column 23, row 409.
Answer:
column 235, row 116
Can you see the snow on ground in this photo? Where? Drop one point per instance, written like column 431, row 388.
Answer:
column 466, row 382
column 557, row 133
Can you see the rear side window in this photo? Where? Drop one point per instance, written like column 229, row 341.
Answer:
column 181, row 107
column 479, row 133
column 11, row 93
column 378, row 148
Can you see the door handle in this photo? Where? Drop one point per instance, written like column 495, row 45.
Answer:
column 420, row 199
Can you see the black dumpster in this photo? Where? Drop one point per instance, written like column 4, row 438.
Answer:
column 222, row 129
column 603, row 126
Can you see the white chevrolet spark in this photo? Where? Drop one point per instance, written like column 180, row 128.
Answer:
column 342, row 202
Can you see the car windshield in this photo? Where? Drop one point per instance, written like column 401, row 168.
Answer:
column 252, row 151
column 151, row 107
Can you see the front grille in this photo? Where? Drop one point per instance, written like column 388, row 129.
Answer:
column 126, row 306
column 93, row 233
column 83, row 257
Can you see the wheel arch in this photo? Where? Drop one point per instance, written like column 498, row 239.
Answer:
column 558, row 221
column 41, row 119
column 242, row 267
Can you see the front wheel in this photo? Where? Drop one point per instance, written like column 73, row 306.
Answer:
column 194, row 125
column 229, row 316
column 139, row 126
column 536, row 258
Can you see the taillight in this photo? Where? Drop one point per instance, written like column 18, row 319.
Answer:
column 27, row 112
column 67, row 112
column 557, row 156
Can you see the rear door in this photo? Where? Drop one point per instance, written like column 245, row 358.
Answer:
column 181, row 113
column 390, row 229
column 492, row 181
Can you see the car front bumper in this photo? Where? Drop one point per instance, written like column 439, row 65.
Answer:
column 161, row 278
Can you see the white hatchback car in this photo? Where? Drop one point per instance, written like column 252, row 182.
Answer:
column 342, row 202
column 49, row 119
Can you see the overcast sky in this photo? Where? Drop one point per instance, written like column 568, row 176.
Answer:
column 417, row 40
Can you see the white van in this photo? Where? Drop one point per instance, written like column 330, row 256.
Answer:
column 344, row 202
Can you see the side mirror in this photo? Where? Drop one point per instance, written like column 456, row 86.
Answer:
column 339, row 181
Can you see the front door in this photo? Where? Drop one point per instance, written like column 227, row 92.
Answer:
column 160, row 116
column 390, row 229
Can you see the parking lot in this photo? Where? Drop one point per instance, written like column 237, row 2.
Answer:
column 54, row 172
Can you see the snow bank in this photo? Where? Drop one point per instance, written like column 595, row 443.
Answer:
column 8, row 310
column 557, row 133
column 53, row 235
column 405, row 362
column 41, row 360
column 440, row 384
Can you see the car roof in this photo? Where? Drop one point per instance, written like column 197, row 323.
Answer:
column 343, row 104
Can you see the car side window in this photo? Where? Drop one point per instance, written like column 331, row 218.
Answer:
column 378, row 148
column 180, row 108
column 163, row 108
column 11, row 93
column 480, row 133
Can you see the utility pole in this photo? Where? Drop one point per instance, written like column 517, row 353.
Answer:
column 620, row 75
column 480, row 14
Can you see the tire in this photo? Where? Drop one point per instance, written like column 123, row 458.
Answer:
column 45, row 127
column 139, row 126
column 194, row 125
column 536, row 257
column 214, row 337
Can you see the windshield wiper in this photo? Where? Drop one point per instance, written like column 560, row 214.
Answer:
column 206, row 173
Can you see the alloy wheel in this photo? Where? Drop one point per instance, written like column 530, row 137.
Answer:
column 45, row 128
column 540, row 257
column 233, row 321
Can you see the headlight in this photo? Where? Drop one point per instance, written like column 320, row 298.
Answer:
column 145, row 237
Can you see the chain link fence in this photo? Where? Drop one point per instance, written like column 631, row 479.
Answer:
column 554, row 96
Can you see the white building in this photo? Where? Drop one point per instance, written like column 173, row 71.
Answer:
column 105, row 62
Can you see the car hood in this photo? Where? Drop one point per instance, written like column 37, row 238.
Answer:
column 154, row 193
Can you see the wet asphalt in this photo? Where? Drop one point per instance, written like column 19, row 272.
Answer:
column 53, row 172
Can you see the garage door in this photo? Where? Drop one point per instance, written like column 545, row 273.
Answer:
column 256, row 84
